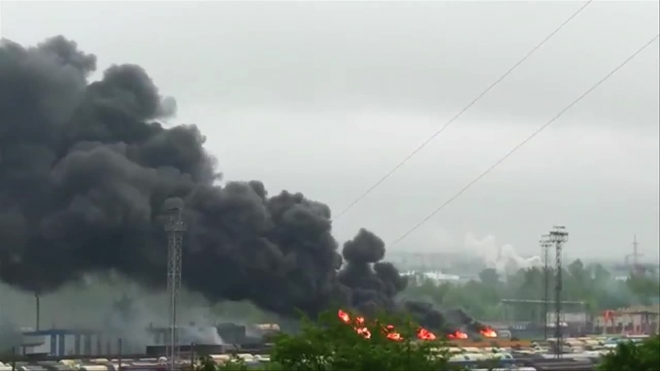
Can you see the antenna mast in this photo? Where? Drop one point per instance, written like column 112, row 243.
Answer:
column 174, row 228
column 545, row 249
column 558, row 236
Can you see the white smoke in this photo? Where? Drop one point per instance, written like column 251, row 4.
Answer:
column 201, row 326
column 90, row 305
column 200, row 335
column 10, row 334
column 503, row 258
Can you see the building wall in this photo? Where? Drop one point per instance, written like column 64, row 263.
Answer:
column 573, row 317
column 69, row 342
column 633, row 319
column 65, row 342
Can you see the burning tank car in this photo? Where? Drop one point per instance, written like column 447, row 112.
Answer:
column 454, row 322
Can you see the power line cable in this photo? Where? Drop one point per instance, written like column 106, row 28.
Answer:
column 460, row 113
column 534, row 134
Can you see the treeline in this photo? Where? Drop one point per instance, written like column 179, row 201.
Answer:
column 593, row 284
column 482, row 297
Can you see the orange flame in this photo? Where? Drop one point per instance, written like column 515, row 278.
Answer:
column 425, row 334
column 359, row 327
column 458, row 335
column 344, row 317
column 488, row 332
column 390, row 333
column 364, row 332
column 395, row 336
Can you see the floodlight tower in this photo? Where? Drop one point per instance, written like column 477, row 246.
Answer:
column 174, row 228
column 558, row 237
column 545, row 249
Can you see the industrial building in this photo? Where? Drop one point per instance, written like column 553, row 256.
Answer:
column 62, row 342
column 66, row 342
column 632, row 320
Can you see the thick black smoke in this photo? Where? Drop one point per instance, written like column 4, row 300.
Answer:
column 372, row 282
column 85, row 169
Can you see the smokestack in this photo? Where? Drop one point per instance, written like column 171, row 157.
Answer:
column 85, row 169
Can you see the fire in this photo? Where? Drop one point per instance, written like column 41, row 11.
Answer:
column 395, row 336
column 390, row 332
column 364, row 332
column 344, row 317
column 488, row 332
column 458, row 335
column 425, row 334
column 359, row 324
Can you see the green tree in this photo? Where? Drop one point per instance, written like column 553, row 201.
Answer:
column 629, row 356
column 206, row 364
column 330, row 344
column 591, row 284
column 236, row 364
column 489, row 276
column 599, row 273
column 643, row 287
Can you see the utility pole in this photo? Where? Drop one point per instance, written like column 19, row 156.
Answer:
column 174, row 228
column 192, row 356
column 37, row 310
column 637, row 266
column 545, row 249
column 119, row 351
column 635, row 256
column 558, row 236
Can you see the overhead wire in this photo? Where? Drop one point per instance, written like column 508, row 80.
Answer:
column 460, row 113
column 529, row 138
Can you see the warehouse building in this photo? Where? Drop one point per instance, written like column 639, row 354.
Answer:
column 60, row 342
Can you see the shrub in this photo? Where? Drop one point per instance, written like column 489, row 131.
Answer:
column 629, row 356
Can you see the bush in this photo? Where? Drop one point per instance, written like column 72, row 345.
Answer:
column 629, row 356
column 236, row 364
column 329, row 344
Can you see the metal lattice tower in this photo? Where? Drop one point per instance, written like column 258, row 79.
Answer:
column 545, row 250
column 558, row 236
column 174, row 228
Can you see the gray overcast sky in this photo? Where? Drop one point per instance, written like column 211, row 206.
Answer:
column 325, row 98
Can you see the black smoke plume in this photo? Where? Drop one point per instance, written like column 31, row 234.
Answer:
column 85, row 169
